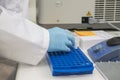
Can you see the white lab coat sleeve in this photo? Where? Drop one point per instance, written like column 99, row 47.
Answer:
column 19, row 7
column 21, row 40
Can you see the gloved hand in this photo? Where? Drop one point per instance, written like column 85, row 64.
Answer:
column 60, row 40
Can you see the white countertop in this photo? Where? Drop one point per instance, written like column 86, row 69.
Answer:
column 43, row 72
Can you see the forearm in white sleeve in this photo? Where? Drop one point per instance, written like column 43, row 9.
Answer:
column 21, row 40
column 18, row 7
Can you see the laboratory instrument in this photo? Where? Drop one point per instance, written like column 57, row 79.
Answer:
column 87, row 41
column 113, row 41
column 106, row 50
column 77, row 11
column 109, row 70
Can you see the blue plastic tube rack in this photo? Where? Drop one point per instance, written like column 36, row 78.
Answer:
column 69, row 63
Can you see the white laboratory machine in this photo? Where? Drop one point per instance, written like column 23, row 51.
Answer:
column 77, row 11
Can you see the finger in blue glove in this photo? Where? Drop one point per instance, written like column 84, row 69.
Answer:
column 60, row 40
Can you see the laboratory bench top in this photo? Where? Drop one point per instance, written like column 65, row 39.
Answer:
column 42, row 70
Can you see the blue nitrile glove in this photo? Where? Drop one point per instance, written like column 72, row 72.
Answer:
column 60, row 40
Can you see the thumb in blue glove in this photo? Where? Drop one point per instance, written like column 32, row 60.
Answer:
column 60, row 40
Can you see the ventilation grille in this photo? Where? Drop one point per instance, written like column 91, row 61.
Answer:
column 108, row 10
